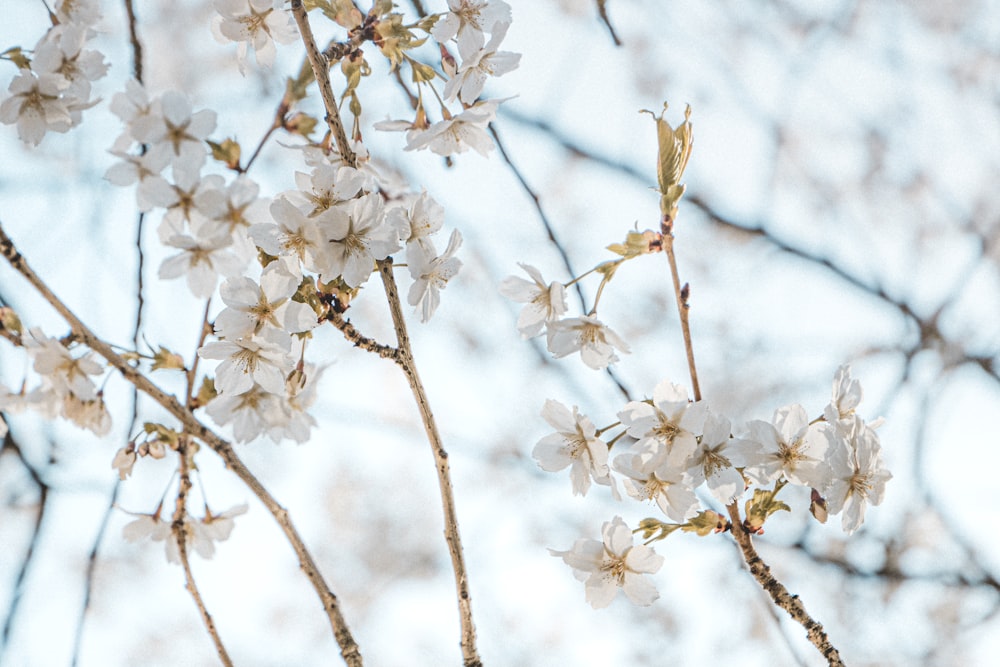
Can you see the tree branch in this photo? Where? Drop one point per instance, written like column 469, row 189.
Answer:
column 348, row 647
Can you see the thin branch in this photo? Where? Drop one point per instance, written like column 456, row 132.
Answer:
column 681, row 295
column 790, row 603
column 404, row 359
column 358, row 339
column 602, row 10
column 348, row 647
column 321, row 71
column 43, row 495
column 179, row 528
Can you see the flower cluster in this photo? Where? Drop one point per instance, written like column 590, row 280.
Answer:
column 52, row 87
column 467, row 23
column 545, row 306
column 678, row 445
column 199, row 534
column 66, row 388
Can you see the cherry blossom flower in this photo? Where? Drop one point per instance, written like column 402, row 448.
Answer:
column 669, row 423
column 201, row 534
column 253, row 23
column 467, row 20
column 457, row 133
column 263, row 359
column 649, row 475
column 292, row 234
column 79, row 12
column 36, row 105
column 431, row 275
column 847, row 394
column 612, row 564
column 478, row 66
column 65, row 374
column 545, row 304
column 423, row 218
column 124, row 460
column 716, row 458
column 357, row 236
column 575, row 445
column 594, row 340
column 328, row 186
column 172, row 128
column 252, row 413
column 205, row 254
column 857, row 473
column 251, row 307
column 235, row 205
column 790, row 446
column 61, row 52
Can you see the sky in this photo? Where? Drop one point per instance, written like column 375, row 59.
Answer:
column 841, row 208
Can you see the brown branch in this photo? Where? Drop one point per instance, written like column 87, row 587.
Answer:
column 404, row 359
column 358, row 339
column 179, row 529
column 681, row 295
column 790, row 603
column 321, row 71
column 602, row 10
column 348, row 647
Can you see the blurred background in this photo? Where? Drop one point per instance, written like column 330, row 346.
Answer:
column 842, row 208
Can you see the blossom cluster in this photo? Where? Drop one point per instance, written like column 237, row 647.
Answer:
column 53, row 87
column 545, row 306
column 678, row 445
column 66, row 387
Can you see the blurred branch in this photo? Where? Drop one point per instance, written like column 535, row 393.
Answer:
column 602, row 10
column 10, row 444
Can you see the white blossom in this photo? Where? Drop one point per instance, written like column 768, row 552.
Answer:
column 612, row 564
column 858, row 475
column 357, row 236
column 252, row 306
column 253, row 23
column 263, row 359
column 545, row 303
column 594, row 340
column 575, row 445
column 466, row 21
column 36, row 105
column 792, row 447
column 477, row 67
column 431, row 275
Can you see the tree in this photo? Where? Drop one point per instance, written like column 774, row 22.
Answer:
column 835, row 211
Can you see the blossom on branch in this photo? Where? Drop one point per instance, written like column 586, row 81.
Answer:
column 594, row 340
column 575, row 445
column 545, row 303
column 253, row 23
column 612, row 564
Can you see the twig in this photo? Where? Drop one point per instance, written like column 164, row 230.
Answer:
column 179, row 529
column 681, row 294
column 790, row 603
column 602, row 9
column 404, row 359
column 360, row 340
column 348, row 647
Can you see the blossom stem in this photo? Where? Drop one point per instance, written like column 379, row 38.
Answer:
column 348, row 646
column 682, row 305
column 404, row 359
column 782, row 598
